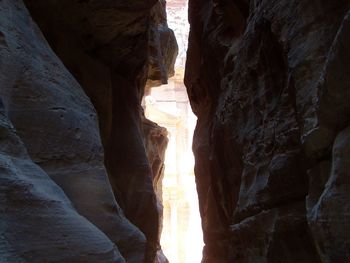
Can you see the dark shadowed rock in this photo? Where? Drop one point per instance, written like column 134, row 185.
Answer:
column 56, row 202
column 269, row 83
column 156, row 141
column 38, row 222
column 112, row 47
column 163, row 48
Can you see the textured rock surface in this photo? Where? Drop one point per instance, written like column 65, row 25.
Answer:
column 62, row 185
column 269, row 82
column 156, row 142
column 57, row 125
column 38, row 222
column 112, row 47
column 163, row 48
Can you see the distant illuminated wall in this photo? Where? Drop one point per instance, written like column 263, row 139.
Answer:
column 168, row 105
column 182, row 236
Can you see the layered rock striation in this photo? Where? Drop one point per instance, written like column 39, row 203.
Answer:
column 269, row 82
column 66, row 165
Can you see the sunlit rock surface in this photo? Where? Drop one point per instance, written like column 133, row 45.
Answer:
column 269, row 82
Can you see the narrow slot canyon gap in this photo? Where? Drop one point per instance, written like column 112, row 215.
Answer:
column 87, row 177
column 168, row 106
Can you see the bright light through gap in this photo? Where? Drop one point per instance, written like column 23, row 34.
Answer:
column 181, row 239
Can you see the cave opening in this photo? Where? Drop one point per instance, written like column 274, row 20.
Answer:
column 168, row 106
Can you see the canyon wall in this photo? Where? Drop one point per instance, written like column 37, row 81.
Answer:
column 269, row 82
column 66, row 166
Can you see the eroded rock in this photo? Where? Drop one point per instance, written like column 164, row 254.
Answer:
column 267, row 81
column 56, row 202
column 111, row 48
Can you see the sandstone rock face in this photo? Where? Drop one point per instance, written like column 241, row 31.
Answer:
column 112, row 47
column 38, row 222
column 156, row 142
column 163, row 48
column 269, row 82
column 156, row 138
column 57, row 203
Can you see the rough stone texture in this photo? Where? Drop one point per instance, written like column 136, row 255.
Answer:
column 57, row 204
column 156, row 142
column 54, row 121
column 269, row 82
column 112, row 47
column 38, row 222
column 163, row 48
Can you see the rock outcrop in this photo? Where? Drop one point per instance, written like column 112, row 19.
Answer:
column 112, row 48
column 156, row 142
column 269, row 82
column 59, row 198
column 163, row 48
column 56, row 202
column 38, row 221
